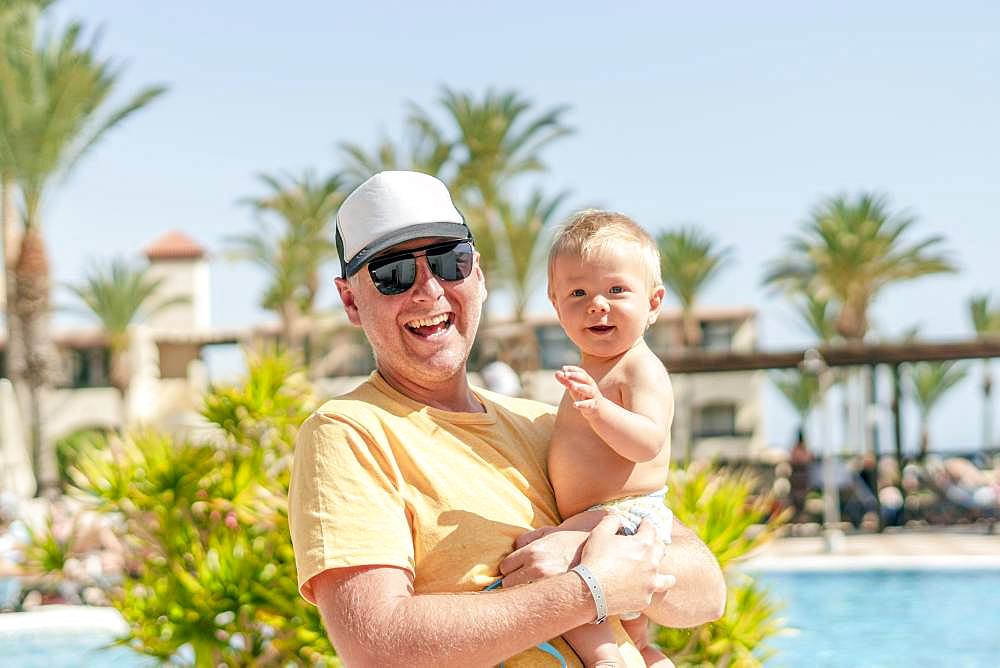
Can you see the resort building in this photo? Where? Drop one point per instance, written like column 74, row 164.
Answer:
column 166, row 373
column 716, row 414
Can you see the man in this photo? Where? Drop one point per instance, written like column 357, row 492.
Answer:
column 408, row 494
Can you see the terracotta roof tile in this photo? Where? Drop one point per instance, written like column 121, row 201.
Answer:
column 174, row 245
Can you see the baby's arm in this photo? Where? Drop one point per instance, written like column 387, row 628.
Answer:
column 636, row 430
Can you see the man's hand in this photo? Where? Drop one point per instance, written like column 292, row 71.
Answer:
column 553, row 553
column 582, row 387
column 533, row 535
column 627, row 567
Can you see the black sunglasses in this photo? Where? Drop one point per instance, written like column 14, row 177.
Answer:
column 395, row 274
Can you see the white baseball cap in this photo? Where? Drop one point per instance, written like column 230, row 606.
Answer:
column 390, row 208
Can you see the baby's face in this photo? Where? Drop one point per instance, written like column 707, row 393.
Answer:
column 605, row 302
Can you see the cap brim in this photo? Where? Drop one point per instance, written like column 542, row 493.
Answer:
column 409, row 233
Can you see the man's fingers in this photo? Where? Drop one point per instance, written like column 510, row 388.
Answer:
column 512, row 562
column 647, row 531
column 531, row 536
column 608, row 526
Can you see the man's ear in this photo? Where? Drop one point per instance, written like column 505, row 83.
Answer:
column 482, row 279
column 347, row 298
column 655, row 302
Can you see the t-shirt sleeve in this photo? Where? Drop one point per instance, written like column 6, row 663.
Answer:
column 345, row 507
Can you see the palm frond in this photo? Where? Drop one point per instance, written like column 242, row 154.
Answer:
column 849, row 250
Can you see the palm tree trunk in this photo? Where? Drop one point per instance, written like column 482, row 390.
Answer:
column 291, row 329
column 15, row 362
column 987, row 405
column 8, row 215
column 121, row 373
column 925, row 437
column 691, row 332
column 32, row 308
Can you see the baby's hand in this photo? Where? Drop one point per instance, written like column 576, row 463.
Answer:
column 586, row 395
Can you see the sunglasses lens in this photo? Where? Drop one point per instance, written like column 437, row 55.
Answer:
column 452, row 264
column 394, row 277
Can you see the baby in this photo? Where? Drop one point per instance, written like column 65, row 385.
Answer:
column 611, row 444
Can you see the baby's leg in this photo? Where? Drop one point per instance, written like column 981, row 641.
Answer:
column 595, row 645
column 638, row 630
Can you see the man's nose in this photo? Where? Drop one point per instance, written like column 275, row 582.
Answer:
column 426, row 286
column 599, row 305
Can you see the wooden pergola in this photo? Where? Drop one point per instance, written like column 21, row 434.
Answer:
column 844, row 355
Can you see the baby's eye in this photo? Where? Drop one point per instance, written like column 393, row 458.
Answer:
column 617, row 289
column 578, row 293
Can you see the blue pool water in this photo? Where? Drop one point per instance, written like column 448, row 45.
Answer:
column 888, row 618
column 67, row 649
column 871, row 618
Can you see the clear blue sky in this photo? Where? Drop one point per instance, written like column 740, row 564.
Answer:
column 735, row 116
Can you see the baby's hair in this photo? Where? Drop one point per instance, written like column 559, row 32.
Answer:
column 593, row 231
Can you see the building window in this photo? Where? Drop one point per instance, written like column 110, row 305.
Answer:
column 88, row 367
column 717, row 336
column 658, row 339
column 716, row 420
column 556, row 348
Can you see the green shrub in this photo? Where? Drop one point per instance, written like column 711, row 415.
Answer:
column 726, row 511
column 71, row 447
column 210, row 574
column 45, row 554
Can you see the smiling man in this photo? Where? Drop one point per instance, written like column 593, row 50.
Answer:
column 409, row 493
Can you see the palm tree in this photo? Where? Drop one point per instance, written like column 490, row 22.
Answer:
column 524, row 236
column 931, row 381
column 495, row 140
column 689, row 260
column 62, row 88
column 17, row 34
column 424, row 149
column 849, row 251
column 986, row 323
column 800, row 389
column 119, row 294
column 294, row 258
column 817, row 316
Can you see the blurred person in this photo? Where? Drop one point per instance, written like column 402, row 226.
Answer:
column 801, row 461
column 611, row 446
column 408, row 493
column 498, row 376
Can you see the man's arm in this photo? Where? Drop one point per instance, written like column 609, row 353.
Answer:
column 639, row 427
column 374, row 618
column 698, row 597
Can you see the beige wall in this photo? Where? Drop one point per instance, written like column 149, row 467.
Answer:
column 185, row 278
column 65, row 411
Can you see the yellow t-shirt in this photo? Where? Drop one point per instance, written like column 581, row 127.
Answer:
column 380, row 479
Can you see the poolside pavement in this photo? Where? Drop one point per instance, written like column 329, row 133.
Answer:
column 918, row 550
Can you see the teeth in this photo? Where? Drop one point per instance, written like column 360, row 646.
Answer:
column 427, row 322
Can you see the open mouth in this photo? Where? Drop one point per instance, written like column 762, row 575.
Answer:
column 426, row 327
column 601, row 329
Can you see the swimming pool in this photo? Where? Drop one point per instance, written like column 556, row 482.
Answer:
column 888, row 618
column 871, row 618
column 66, row 649
column 64, row 636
